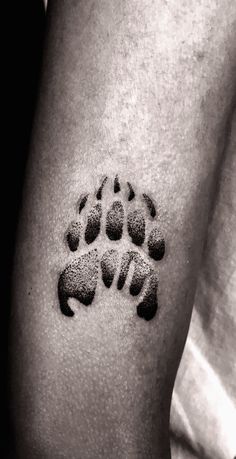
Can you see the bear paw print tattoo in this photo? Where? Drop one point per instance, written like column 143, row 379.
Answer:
column 126, row 218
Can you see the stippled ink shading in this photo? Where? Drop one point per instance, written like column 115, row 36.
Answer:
column 109, row 265
column 156, row 245
column 150, row 205
column 148, row 306
column 93, row 224
column 100, row 189
column 78, row 280
column 82, row 202
column 112, row 222
column 116, row 184
column 73, row 235
column 131, row 192
column 136, row 227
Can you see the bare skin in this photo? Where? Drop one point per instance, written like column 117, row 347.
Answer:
column 145, row 91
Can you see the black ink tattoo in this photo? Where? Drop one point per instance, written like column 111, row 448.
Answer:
column 78, row 280
column 115, row 219
column 109, row 265
column 93, row 224
column 131, row 192
column 150, row 205
column 100, row 189
column 82, row 202
column 80, row 277
column 73, row 235
column 116, row 184
column 136, row 227
column 156, row 245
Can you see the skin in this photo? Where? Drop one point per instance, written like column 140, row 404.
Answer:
column 144, row 90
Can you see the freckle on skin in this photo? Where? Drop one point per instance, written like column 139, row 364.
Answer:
column 200, row 55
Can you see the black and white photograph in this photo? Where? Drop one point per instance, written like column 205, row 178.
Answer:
column 119, row 230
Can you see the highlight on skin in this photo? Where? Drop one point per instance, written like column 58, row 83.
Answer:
column 80, row 277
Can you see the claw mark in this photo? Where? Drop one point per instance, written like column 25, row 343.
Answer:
column 100, row 189
column 78, row 280
column 109, row 264
column 93, row 224
column 136, row 227
column 73, row 235
column 82, row 202
column 150, row 205
column 148, row 306
column 131, row 192
column 114, row 221
column 116, row 184
column 156, row 245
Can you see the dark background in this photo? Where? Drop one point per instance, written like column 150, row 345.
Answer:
column 24, row 22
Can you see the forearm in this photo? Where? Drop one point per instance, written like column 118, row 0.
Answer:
column 116, row 98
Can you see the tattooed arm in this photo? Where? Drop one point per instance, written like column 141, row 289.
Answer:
column 106, row 268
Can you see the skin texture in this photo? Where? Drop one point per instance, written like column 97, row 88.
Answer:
column 143, row 90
